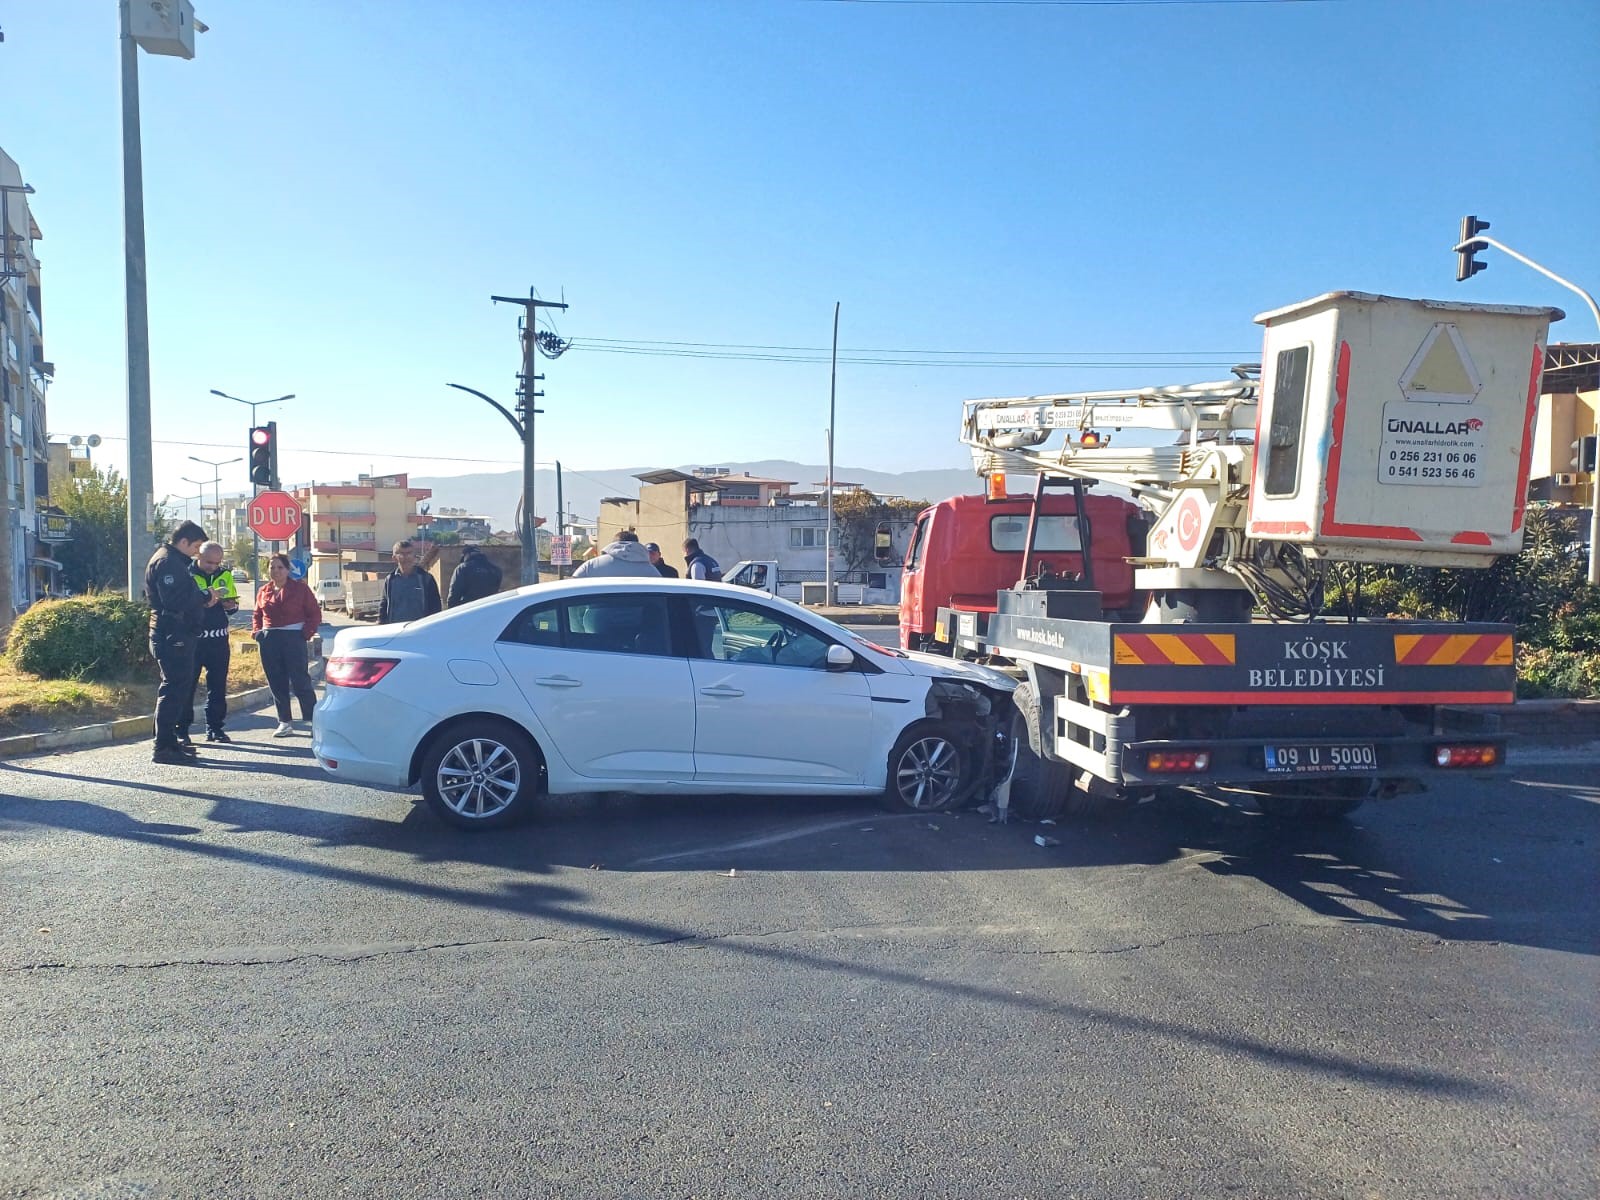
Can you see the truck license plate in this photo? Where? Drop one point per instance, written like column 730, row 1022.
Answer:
column 1320, row 760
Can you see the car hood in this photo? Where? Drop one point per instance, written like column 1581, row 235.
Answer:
column 939, row 667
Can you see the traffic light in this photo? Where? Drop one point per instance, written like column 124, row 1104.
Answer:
column 1467, row 264
column 264, row 455
column 1583, row 454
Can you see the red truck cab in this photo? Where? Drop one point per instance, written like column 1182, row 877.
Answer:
column 967, row 548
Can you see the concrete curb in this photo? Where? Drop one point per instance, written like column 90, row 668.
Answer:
column 122, row 730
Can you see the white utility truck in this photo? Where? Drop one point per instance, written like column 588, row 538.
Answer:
column 1375, row 430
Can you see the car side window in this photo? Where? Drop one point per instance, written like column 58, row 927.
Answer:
column 610, row 624
column 622, row 624
column 537, row 625
column 729, row 632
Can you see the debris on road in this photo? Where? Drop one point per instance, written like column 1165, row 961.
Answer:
column 1039, row 839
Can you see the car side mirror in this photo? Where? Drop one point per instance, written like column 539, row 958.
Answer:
column 840, row 658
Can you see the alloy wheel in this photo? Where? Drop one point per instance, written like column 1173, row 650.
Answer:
column 928, row 774
column 478, row 778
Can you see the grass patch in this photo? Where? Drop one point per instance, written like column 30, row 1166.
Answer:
column 29, row 704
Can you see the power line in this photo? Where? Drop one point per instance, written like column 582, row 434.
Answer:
column 901, row 350
column 1221, row 363
column 1069, row 3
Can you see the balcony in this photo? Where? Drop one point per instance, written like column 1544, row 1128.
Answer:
column 329, row 546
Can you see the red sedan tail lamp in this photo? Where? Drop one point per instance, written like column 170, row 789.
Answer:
column 1466, row 755
column 1178, row 761
column 358, row 672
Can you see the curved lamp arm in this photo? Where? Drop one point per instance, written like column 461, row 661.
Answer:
column 503, row 411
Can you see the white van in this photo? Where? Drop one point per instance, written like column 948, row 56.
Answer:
column 330, row 592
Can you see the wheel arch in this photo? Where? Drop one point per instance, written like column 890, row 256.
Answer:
column 414, row 770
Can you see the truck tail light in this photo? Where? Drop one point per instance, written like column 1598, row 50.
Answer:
column 1466, row 755
column 358, row 672
column 1177, row 761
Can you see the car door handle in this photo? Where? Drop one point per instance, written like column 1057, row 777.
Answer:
column 722, row 691
column 557, row 681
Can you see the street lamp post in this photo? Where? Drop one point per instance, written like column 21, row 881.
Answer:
column 216, row 480
column 524, row 428
column 255, row 538
column 1471, row 238
column 141, row 470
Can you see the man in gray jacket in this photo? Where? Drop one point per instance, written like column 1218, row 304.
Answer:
column 625, row 556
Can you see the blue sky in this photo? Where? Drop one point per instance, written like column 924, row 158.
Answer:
column 333, row 191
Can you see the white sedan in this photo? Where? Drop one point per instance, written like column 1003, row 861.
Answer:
column 652, row 686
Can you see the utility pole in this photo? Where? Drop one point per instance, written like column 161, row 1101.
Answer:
column 833, row 381
column 527, row 394
column 141, row 470
column 561, row 517
column 174, row 37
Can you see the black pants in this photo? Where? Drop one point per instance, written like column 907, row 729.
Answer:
column 283, row 658
column 174, row 654
column 211, row 660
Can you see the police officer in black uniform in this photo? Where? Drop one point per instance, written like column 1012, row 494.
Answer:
column 177, row 612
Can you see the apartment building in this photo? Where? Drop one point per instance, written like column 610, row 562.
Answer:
column 27, row 568
column 360, row 521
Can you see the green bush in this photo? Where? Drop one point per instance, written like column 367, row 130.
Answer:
column 97, row 636
column 1542, row 591
column 1546, row 671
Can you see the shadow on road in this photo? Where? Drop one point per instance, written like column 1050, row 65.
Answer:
column 1491, row 862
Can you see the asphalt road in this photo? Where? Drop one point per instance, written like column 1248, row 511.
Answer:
column 240, row 980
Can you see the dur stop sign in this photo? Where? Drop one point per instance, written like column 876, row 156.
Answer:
column 275, row 516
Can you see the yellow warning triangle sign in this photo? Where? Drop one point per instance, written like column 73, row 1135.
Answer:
column 1441, row 369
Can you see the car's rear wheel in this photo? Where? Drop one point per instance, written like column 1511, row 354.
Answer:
column 479, row 774
column 928, row 769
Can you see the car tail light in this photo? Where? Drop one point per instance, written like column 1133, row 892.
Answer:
column 1170, row 761
column 358, row 672
column 1466, row 755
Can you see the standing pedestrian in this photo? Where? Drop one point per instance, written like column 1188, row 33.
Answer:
column 409, row 594
column 475, row 578
column 663, row 568
column 177, row 610
column 701, row 565
column 624, row 556
column 285, row 619
column 212, row 649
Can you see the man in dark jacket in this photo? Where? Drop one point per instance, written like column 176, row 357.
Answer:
column 475, row 578
column 177, row 612
column 409, row 594
column 666, row 570
column 701, row 565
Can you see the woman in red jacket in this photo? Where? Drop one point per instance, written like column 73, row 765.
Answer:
column 285, row 619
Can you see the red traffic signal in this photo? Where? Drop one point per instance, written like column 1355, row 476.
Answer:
column 263, row 450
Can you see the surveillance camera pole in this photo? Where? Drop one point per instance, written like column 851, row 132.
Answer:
column 1594, row 311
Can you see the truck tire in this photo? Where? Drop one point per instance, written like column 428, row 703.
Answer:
column 1040, row 786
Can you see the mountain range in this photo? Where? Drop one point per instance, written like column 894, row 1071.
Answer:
column 495, row 495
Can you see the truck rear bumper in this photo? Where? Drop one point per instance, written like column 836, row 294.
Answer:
column 1300, row 759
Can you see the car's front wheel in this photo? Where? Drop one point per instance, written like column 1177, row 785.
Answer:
column 928, row 769
column 479, row 774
